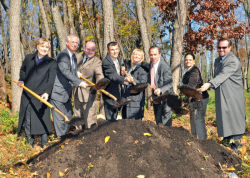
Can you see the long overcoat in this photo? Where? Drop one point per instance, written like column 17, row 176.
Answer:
column 40, row 79
column 229, row 96
column 135, row 109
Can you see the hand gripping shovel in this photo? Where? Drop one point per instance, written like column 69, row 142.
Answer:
column 118, row 104
column 66, row 119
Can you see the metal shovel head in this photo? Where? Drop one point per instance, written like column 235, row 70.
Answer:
column 161, row 98
column 180, row 111
column 190, row 92
column 122, row 102
column 138, row 88
column 101, row 84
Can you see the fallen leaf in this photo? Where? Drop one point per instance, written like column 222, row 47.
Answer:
column 147, row 134
column 231, row 169
column 114, row 132
column 140, row 176
column 61, row 174
column 106, row 139
column 90, row 165
column 90, row 156
column 188, row 143
column 136, row 142
column 48, row 175
column 66, row 171
column 62, row 146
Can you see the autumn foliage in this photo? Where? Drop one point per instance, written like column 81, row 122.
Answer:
column 208, row 20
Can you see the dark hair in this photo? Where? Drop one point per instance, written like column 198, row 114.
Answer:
column 225, row 39
column 112, row 43
column 189, row 54
column 152, row 47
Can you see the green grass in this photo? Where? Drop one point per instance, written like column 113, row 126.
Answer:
column 8, row 121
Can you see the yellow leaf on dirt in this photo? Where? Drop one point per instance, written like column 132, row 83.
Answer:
column 62, row 146
column 231, row 169
column 147, row 134
column 66, row 171
column 136, row 142
column 114, row 132
column 66, row 143
column 188, row 143
column 106, row 139
column 140, row 176
column 48, row 175
column 61, row 174
column 90, row 156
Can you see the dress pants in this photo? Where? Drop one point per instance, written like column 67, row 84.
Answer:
column 197, row 118
column 61, row 127
column 110, row 112
column 163, row 114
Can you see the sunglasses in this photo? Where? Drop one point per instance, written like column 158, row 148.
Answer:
column 222, row 47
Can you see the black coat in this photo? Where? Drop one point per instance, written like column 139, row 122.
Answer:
column 193, row 79
column 114, row 87
column 40, row 79
column 135, row 109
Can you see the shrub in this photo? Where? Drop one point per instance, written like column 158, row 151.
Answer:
column 8, row 121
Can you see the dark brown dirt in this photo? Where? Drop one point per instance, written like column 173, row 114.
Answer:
column 168, row 152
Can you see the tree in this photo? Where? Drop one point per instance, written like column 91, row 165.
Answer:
column 108, row 22
column 143, row 27
column 15, row 47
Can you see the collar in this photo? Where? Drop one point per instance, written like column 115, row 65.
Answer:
column 70, row 53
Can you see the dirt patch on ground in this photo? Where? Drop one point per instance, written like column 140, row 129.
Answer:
column 134, row 148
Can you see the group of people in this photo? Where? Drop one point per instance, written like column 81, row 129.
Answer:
column 54, row 81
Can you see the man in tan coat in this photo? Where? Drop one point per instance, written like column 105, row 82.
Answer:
column 90, row 67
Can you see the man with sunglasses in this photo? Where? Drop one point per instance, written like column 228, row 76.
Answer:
column 229, row 95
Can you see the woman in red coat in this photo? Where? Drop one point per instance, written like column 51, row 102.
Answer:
column 38, row 73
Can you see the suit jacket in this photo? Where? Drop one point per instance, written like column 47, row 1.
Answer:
column 65, row 78
column 114, row 87
column 163, row 78
column 40, row 79
column 229, row 96
column 91, row 70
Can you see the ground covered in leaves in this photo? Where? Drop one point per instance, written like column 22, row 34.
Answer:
column 129, row 148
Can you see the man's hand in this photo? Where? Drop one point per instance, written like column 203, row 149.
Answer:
column 45, row 96
column 123, row 71
column 79, row 74
column 20, row 83
column 83, row 85
column 157, row 91
column 127, row 79
column 205, row 87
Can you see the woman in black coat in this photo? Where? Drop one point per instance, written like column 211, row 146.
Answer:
column 193, row 79
column 38, row 73
column 135, row 109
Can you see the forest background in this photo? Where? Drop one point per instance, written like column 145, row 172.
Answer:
column 176, row 26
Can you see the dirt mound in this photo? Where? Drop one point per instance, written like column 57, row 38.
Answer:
column 133, row 148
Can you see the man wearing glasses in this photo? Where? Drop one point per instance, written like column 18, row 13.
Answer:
column 229, row 95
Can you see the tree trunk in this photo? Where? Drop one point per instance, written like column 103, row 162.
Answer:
column 143, row 28
column 60, row 28
column 108, row 24
column 72, row 29
column 45, row 22
column 65, row 16
column 82, row 31
column 15, row 47
column 177, row 44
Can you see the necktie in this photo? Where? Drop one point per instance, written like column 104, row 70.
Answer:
column 152, row 77
column 85, row 60
column 73, row 60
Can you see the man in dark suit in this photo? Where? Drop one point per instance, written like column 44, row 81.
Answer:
column 66, row 78
column 161, row 82
column 90, row 67
column 111, row 66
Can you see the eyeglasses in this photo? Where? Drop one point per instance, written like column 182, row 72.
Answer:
column 222, row 47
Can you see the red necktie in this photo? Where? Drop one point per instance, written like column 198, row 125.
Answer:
column 152, row 76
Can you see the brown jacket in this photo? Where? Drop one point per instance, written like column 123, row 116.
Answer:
column 91, row 70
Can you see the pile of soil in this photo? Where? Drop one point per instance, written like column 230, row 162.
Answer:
column 134, row 148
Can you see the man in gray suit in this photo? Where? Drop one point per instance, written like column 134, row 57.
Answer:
column 229, row 95
column 161, row 82
column 66, row 78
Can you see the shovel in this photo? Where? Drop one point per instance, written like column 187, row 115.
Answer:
column 101, row 84
column 173, row 101
column 190, row 92
column 66, row 119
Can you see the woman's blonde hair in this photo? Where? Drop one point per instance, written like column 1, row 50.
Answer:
column 139, row 51
column 42, row 41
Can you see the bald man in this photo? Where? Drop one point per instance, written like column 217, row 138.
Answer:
column 90, row 67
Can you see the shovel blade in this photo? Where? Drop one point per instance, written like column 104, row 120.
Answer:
column 101, row 84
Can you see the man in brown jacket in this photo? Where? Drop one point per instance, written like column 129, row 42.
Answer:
column 90, row 67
